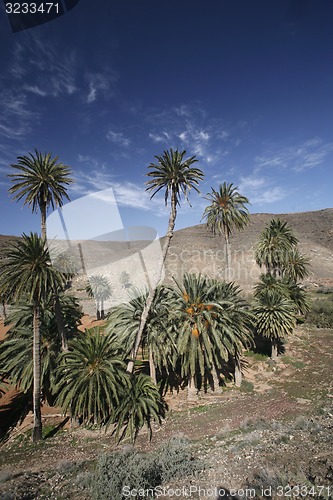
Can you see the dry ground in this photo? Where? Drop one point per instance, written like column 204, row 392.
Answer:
column 277, row 427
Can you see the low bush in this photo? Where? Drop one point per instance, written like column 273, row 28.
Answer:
column 321, row 313
column 119, row 473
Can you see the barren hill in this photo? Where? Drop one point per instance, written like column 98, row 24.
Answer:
column 195, row 249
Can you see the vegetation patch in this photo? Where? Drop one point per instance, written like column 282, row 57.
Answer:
column 119, row 473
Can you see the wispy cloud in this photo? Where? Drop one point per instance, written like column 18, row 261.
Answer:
column 127, row 194
column 299, row 157
column 163, row 137
column 190, row 127
column 16, row 118
column 101, row 84
column 118, row 138
column 260, row 190
column 34, row 89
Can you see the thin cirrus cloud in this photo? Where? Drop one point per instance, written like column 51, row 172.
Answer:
column 191, row 128
column 259, row 190
column 163, row 137
column 300, row 157
column 16, row 118
column 101, row 84
column 34, row 89
column 127, row 194
column 118, row 138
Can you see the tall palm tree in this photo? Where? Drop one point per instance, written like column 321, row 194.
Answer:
column 226, row 212
column 212, row 323
column 91, row 378
column 177, row 177
column 41, row 181
column 26, row 271
column 157, row 337
column 15, row 351
column 275, row 245
column 275, row 317
column 100, row 289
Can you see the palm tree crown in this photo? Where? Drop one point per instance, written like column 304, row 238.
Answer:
column 274, row 313
column 211, row 321
column 296, row 267
column 41, row 181
column 26, row 269
column 91, row 376
column 174, row 174
column 227, row 210
column 275, row 246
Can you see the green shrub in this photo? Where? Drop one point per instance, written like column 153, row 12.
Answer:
column 125, row 469
column 246, row 386
column 256, row 355
column 321, row 313
column 172, row 460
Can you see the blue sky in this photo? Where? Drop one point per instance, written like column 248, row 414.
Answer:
column 246, row 86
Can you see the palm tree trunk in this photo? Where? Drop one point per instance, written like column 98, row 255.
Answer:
column 274, row 353
column 191, row 389
column 228, row 256
column 238, row 372
column 37, row 430
column 60, row 322
column 98, row 314
column 216, row 381
column 150, row 298
column 102, row 309
column 43, row 219
column 152, row 368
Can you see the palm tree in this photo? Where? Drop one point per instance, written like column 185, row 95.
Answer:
column 140, row 405
column 275, row 247
column 99, row 288
column 91, row 377
column 176, row 176
column 296, row 267
column 41, row 181
column 15, row 350
column 26, row 271
column 275, row 318
column 124, row 321
column 226, row 212
column 212, row 323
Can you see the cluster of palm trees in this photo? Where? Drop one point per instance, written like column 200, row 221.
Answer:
column 279, row 298
column 190, row 330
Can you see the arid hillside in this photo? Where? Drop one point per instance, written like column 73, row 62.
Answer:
column 195, row 249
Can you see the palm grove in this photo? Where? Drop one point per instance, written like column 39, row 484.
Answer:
column 189, row 332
